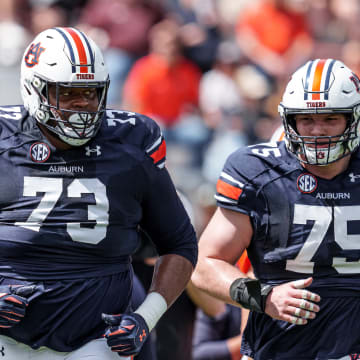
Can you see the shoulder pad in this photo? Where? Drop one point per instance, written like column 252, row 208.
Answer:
column 10, row 117
column 254, row 159
column 244, row 166
column 140, row 131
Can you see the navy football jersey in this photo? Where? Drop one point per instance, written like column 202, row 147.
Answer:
column 303, row 226
column 70, row 220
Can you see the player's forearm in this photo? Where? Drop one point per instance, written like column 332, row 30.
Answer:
column 215, row 276
column 208, row 304
column 171, row 275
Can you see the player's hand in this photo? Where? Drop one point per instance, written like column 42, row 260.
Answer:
column 126, row 333
column 13, row 303
column 292, row 303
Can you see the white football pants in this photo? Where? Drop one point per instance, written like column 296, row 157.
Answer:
column 94, row 350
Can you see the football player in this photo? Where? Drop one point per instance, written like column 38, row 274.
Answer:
column 78, row 183
column 295, row 206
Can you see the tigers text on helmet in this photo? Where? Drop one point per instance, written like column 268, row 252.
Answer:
column 62, row 59
column 322, row 86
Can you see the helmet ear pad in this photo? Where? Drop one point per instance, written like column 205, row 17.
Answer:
column 65, row 58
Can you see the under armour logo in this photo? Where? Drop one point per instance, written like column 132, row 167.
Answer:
column 96, row 150
column 142, row 336
column 2, row 351
column 354, row 177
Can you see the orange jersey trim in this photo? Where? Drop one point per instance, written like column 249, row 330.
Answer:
column 228, row 190
column 159, row 153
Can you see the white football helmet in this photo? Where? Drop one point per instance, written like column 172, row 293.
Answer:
column 322, row 86
column 64, row 58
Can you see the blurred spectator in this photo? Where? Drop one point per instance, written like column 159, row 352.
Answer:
column 45, row 15
column 332, row 25
column 254, row 85
column 12, row 47
column 227, row 138
column 231, row 96
column 7, row 10
column 72, row 9
column 199, row 31
column 122, row 26
column 222, row 108
column 274, row 34
column 350, row 55
column 265, row 126
column 229, row 12
column 257, row 89
column 218, row 92
column 346, row 19
column 13, row 35
column 164, row 85
column 68, row 13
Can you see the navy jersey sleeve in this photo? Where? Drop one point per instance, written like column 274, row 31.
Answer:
column 10, row 116
column 250, row 183
column 141, row 132
column 154, row 144
column 165, row 219
column 235, row 189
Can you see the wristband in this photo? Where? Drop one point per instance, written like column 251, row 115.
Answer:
column 250, row 293
column 153, row 307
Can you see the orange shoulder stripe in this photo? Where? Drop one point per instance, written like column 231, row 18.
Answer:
column 228, row 190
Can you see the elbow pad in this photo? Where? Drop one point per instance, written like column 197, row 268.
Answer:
column 250, row 293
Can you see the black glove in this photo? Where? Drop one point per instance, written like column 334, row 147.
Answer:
column 126, row 334
column 13, row 303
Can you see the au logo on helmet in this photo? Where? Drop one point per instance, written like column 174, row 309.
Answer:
column 33, row 54
column 356, row 82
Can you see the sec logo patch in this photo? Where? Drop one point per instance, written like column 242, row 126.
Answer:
column 39, row 152
column 307, row 183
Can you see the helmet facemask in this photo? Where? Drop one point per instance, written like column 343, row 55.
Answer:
column 75, row 127
column 322, row 150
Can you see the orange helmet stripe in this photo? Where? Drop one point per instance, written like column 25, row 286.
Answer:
column 317, row 78
column 80, row 48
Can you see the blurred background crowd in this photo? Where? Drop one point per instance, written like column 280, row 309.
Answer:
column 210, row 72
